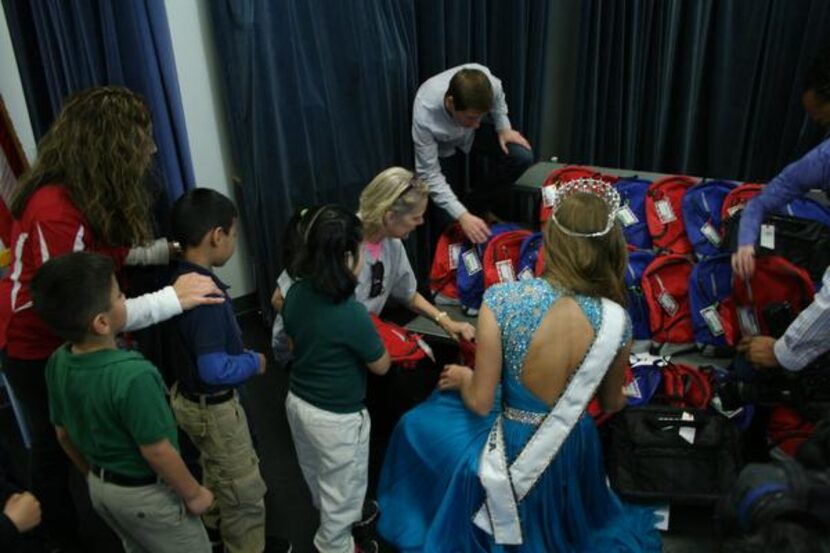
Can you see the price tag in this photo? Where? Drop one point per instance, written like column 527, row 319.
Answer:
column 711, row 233
column 526, row 274
column 505, row 270
column 455, row 251
column 712, row 317
column 664, row 211
column 668, row 303
column 626, row 216
column 548, row 195
column 471, row 262
column 747, row 321
column 768, row 237
column 687, row 432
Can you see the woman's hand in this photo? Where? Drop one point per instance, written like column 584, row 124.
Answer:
column 453, row 377
column 194, row 289
column 23, row 509
column 459, row 330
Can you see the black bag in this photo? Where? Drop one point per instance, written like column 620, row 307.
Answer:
column 802, row 242
column 649, row 460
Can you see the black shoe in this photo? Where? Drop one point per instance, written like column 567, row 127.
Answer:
column 371, row 510
column 369, row 546
column 274, row 544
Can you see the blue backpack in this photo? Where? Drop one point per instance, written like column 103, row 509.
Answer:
column 529, row 256
column 714, row 319
column 470, row 273
column 701, row 216
column 637, row 305
column 632, row 213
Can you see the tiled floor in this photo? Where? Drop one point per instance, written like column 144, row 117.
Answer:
column 289, row 510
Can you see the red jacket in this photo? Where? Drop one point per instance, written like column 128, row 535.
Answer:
column 51, row 225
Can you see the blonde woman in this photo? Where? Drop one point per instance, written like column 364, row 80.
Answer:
column 391, row 206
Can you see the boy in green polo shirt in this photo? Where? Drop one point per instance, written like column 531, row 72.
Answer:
column 110, row 413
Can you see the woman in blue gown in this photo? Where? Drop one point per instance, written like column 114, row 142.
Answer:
column 504, row 458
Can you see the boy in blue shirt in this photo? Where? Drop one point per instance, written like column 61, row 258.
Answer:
column 215, row 362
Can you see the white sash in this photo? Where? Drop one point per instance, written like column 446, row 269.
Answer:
column 506, row 488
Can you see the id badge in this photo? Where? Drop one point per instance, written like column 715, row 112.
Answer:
column 712, row 318
column 505, row 270
column 455, row 251
column 471, row 262
column 626, row 216
column 548, row 195
column 664, row 211
column 668, row 303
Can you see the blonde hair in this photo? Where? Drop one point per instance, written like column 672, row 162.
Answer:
column 591, row 266
column 394, row 189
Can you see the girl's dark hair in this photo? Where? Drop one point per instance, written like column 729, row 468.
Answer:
column 330, row 233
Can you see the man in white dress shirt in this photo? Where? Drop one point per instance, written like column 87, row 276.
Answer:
column 464, row 109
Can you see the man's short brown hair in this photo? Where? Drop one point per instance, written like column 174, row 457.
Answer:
column 471, row 89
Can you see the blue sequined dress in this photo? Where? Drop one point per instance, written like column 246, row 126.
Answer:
column 429, row 488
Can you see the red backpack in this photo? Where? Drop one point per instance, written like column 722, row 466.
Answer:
column 501, row 257
column 737, row 198
column 685, row 386
column 557, row 177
column 666, row 291
column 664, row 214
column 405, row 348
column 775, row 294
column 442, row 274
column 787, row 430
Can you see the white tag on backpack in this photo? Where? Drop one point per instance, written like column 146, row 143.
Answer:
column 626, row 216
column 526, row 274
column 548, row 195
column 768, row 237
column 687, row 432
column 455, row 251
column 662, row 516
column 711, row 233
column 505, row 270
column 668, row 303
column 712, row 318
column 471, row 262
column 664, row 211
column 748, row 321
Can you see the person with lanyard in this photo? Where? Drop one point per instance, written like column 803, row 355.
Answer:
column 522, row 469
column 806, row 337
column 464, row 108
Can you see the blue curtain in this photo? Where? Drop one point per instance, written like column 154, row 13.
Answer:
column 711, row 87
column 318, row 95
column 63, row 47
column 509, row 37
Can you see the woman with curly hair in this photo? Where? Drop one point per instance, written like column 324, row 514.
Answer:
column 85, row 191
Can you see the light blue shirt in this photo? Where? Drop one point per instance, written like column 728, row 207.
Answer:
column 436, row 134
column 809, row 334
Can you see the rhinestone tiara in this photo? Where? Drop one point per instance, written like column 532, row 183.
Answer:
column 593, row 186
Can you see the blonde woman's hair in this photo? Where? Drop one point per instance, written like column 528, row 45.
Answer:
column 394, row 189
column 590, row 266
